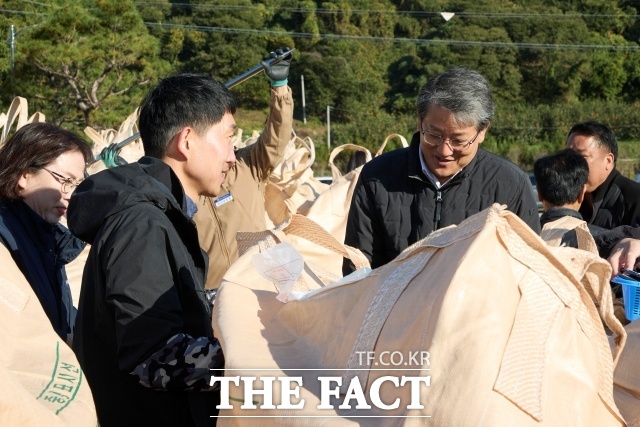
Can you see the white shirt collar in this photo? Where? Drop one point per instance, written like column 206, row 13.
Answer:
column 430, row 175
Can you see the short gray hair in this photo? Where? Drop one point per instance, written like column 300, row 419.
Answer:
column 463, row 92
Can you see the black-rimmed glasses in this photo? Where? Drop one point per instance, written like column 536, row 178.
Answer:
column 68, row 184
column 455, row 144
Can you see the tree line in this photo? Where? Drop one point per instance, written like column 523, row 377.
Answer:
column 551, row 63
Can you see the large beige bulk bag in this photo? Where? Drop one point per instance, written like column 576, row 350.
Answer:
column 291, row 187
column 18, row 113
column 331, row 208
column 42, row 383
column 553, row 231
column 323, row 253
column 105, row 137
column 626, row 377
column 512, row 332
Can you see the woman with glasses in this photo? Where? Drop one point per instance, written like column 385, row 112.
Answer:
column 40, row 166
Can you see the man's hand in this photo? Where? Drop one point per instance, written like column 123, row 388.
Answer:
column 110, row 156
column 278, row 74
column 626, row 254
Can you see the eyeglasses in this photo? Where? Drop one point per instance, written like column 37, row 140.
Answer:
column 68, row 184
column 454, row 144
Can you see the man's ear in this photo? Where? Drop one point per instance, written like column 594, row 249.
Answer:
column 183, row 142
column 539, row 196
column 582, row 193
column 483, row 134
column 611, row 161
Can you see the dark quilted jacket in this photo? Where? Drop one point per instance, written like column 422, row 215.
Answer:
column 394, row 204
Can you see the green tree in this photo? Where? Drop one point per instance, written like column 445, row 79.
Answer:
column 88, row 62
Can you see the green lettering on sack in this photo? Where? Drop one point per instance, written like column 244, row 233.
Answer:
column 73, row 396
column 55, row 368
column 49, row 392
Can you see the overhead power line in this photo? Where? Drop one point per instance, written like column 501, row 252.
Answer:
column 21, row 12
column 507, row 45
column 387, row 11
column 35, row 2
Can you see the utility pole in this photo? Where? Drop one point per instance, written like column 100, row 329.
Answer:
column 12, row 44
column 12, row 37
column 328, row 128
column 304, row 105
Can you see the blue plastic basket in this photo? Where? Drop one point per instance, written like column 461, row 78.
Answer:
column 631, row 295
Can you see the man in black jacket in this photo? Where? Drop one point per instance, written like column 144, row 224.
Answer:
column 144, row 336
column 441, row 179
column 612, row 200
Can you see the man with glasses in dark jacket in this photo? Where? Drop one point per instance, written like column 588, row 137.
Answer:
column 442, row 178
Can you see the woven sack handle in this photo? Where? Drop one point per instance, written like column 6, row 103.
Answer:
column 403, row 140
column 128, row 127
column 37, row 117
column 17, row 110
column 335, row 172
column 300, row 226
column 299, row 172
column 308, row 229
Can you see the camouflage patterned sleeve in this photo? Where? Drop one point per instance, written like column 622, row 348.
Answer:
column 184, row 363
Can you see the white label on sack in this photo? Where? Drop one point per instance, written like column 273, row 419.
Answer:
column 223, row 199
column 282, row 265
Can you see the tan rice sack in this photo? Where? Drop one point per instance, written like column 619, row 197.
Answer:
column 18, row 111
column 103, row 138
column 322, row 252
column 552, row 233
column 42, row 383
column 626, row 377
column 331, row 208
column 512, row 332
column 292, row 187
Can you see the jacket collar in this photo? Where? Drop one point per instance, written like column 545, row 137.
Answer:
column 40, row 230
column 599, row 193
column 557, row 213
column 163, row 173
column 54, row 237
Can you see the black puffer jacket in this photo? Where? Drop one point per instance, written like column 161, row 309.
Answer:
column 614, row 203
column 394, row 204
column 143, row 283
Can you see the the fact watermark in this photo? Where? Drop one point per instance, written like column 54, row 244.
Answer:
column 393, row 358
column 334, row 392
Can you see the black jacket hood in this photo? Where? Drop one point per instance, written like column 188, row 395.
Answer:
column 111, row 191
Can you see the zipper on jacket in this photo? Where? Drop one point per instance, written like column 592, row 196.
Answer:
column 436, row 217
column 223, row 243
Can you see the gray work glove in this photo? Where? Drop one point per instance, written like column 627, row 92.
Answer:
column 278, row 74
column 110, row 156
